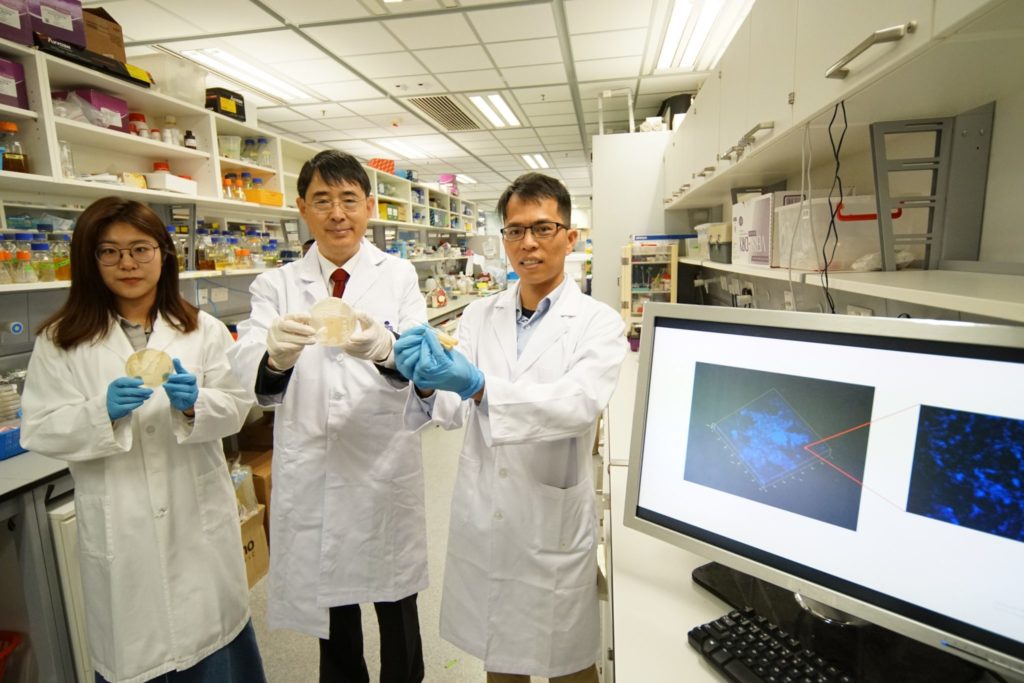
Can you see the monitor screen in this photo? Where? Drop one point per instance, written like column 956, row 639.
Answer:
column 873, row 464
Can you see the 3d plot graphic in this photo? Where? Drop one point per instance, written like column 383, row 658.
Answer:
column 758, row 434
column 969, row 471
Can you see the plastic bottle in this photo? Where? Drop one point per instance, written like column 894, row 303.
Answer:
column 14, row 158
column 42, row 262
column 137, row 124
column 62, row 256
column 172, row 135
column 263, row 155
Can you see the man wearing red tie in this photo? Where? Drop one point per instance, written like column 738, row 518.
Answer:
column 347, row 519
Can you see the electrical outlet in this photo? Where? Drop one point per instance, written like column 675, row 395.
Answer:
column 724, row 282
column 734, row 286
column 203, row 296
column 858, row 310
column 219, row 295
column 787, row 297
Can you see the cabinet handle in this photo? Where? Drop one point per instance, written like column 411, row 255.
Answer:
column 735, row 149
column 708, row 170
column 885, row 35
column 748, row 137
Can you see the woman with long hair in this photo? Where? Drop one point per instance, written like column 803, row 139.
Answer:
column 159, row 544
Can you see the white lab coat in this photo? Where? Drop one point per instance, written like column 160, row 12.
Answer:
column 158, row 535
column 347, row 519
column 520, row 583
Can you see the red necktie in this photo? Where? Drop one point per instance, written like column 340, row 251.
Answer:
column 339, row 278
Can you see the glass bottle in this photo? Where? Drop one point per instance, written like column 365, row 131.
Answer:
column 227, row 190
column 62, row 256
column 204, row 250
column 269, row 256
column 14, row 158
column 231, row 252
column 67, row 159
column 263, row 156
column 42, row 262
column 190, row 140
column 247, row 180
column 240, row 190
column 6, row 260
column 249, row 150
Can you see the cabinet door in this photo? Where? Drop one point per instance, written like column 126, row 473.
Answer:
column 675, row 162
column 829, row 29
column 733, row 71
column 705, row 111
column 770, row 78
column 949, row 12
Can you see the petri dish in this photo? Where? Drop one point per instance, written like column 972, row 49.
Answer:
column 152, row 365
column 333, row 320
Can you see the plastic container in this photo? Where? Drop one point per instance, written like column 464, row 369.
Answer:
column 137, row 124
column 42, row 262
column 230, row 146
column 856, row 225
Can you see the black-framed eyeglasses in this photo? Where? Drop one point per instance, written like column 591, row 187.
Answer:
column 142, row 252
column 348, row 205
column 542, row 230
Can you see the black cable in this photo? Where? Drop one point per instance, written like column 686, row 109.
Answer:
column 832, row 234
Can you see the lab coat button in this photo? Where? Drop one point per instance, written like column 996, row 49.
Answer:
column 150, row 429
column 503, row 473
column 498, row 515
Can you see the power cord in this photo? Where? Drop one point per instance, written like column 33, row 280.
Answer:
column 828, row 251
column 805, row 190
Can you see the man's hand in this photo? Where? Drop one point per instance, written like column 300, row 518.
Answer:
column 287, row 336
column 446, row 370
column 371, row 342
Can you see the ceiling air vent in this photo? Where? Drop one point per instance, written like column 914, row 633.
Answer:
column 444, row 111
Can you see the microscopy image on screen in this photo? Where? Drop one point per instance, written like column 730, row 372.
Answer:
column 795, row 443
column 969, row 471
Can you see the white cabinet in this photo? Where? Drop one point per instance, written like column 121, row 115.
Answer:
column 828, row 30
column 771, row 53
column 704, row 115
column 949, row 12
column 733, row 74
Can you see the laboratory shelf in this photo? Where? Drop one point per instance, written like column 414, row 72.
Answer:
column 432, row 259
column 386, row 198
column 43, row 207
column 798, row 276
column 641, row 262
column 7, row 111
column 87, row 134
column 34, row 286
column 229, row 164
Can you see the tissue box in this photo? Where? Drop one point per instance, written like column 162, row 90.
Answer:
column 15, row 23
column 60, row 19
column 12, row 84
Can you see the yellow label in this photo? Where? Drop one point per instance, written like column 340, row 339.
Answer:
column 136, row 72
column 228, row 105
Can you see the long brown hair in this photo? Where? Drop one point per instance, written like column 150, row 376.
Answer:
column 90, row 307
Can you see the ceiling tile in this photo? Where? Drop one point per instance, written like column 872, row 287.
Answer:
column 562, row 139
column 549, row 108
column 313, row 71
column 574, row 172
column 484, row 148
column 149, row 21
column 381, row 105
column 309, row 11
column 327, row 135
column 323, row 110
column 603, row 69
column 526, row 52
column 444, row 30
column 505, row 162
column 557, row 131
column 371, row 132
column 273, row 114
column 553, row 119
column 271, row 47
column 346, row 40
column 357, row 147
column 545, row 74
column 549, row 93
column 505, row 135
column 240, row 15
column 594, row 89
column 453, row 58
column 514, row 23
column 410, row 86
column 301, row 126
column 386, row 65
column 484, row 79
column 562, row 146
column 473, row 136
column 520, row 146
column 347, row 90
column 587, row 16
column 609, row 44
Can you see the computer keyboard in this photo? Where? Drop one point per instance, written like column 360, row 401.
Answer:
column 748, row 648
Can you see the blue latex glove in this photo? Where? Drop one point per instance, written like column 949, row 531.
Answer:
column 446, row 370
column 124, row 395
column 407, row 350
column 181, row 387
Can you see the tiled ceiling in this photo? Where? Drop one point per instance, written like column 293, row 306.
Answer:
column 360, row 61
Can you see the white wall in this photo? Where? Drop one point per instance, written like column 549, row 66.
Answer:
column 627, row 201
column 1002, row 239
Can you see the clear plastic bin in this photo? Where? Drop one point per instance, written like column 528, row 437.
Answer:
column 856, row 226
column 230, row 146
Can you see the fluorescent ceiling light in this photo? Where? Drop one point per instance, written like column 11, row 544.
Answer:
column 674, row 34
column 708, row 15
column 486, row 110
column 541, row 161
column 245, row 73
column 528, row 158
column 404, row 150
column 503, row 109
column 464, row 179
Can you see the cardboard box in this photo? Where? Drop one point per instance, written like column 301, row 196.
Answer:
column 60, row 19
column 257, row 435
column 15, row 23
column 254, row 547
column 224, row 101
column 751, row 231
column 103, row 34
column 12, row 84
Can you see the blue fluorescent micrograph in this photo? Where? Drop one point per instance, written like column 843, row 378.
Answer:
column 969, row 471
column 769, row 437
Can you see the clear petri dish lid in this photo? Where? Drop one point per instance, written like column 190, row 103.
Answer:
column 152, row 365
column 333, row 320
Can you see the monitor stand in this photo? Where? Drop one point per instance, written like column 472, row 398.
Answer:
column 869, row 652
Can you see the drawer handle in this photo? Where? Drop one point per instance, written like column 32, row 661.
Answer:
column 885, row 35
column 840, row 216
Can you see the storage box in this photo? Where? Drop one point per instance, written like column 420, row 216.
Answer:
column 856, row 225
column 10, row 442
column 12, row 84
column 265, row 197
column 60, row 19
column 15, row 23
column 171, row 183
column 92, row 60
column 103, row 34
column 261, row 465
column 254, row 547
column 175, row 77
column 114, row 110
column 751, row 231
column 224, row 101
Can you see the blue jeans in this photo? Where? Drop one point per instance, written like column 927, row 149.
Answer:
column 237, row 662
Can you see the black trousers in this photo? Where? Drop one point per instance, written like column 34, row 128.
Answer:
column 401, row 651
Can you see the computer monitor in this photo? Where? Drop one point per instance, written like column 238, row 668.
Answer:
column 875, row 465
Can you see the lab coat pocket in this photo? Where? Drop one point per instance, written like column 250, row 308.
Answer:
column 95, row 526
column 563, row 523
column 216, row 498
